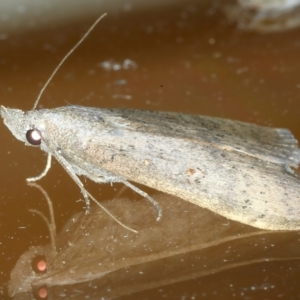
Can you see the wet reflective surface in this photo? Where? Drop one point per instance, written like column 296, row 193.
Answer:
column 95, row 256
column 187, row 58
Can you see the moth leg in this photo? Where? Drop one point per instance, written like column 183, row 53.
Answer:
column 48, row 166
column 112, row 178
column 145, row 195
column 87, row 196
column 70, row 171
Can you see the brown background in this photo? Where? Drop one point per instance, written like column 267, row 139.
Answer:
column 189, row 59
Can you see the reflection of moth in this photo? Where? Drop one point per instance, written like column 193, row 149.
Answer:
column 265, row 15
column 97, row 257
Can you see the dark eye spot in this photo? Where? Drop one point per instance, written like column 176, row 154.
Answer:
column 34, row 137
column 39, row 264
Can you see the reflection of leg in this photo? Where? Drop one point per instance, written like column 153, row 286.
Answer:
column 121, row 191
column 48, row 165
column 145, row 195
column 110, row 214
column 51, row 224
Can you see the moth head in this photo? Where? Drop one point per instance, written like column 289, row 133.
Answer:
column 20, row 123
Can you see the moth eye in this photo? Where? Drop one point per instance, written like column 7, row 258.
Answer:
column 39, row 264
column 34, row 137
column 41, row 293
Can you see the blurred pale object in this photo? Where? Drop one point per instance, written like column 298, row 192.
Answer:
column 21, row 16
column 269, row 5
column 265, row 16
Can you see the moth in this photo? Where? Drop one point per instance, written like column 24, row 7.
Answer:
column 238, row 170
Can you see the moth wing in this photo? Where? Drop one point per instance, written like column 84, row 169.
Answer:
column 272, row 144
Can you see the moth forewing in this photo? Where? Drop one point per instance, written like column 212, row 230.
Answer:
column 238, row 170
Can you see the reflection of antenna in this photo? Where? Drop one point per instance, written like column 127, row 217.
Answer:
column 51, row 224
column 64, row 59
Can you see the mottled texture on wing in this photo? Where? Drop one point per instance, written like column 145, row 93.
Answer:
column 271, row 144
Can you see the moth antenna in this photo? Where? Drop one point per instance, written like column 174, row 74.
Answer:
column 65, row 58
